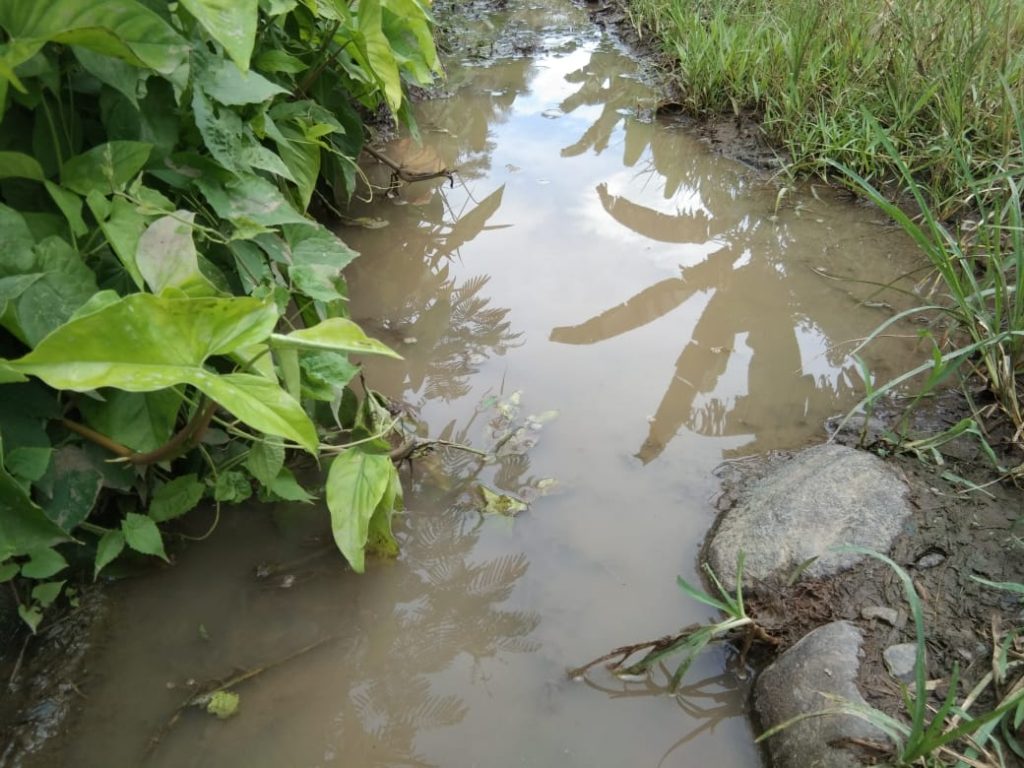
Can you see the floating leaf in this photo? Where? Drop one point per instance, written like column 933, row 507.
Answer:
column 223, row 704
column 496, row 503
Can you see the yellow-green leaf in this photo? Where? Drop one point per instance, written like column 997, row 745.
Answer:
column 336, row 334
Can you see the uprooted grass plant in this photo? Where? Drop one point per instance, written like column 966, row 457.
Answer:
column 690, row 641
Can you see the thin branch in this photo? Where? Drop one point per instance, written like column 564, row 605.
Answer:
column 408, row 176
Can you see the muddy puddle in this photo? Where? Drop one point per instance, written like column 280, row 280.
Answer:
column 616, row 308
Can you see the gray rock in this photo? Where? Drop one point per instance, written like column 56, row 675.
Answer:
column 824, row 663
column 930, row 560
column 888, row 615
column 901, row 660
column 823, row 497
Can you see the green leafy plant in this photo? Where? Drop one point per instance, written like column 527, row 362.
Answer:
column 172, row 319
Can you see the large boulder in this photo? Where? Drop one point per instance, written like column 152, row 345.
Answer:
column 822, row 498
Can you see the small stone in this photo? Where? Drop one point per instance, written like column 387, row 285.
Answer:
column 900, row 660
column 930, row 560
column 889, row 615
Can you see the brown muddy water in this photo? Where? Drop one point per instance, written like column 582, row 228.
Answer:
column 641, row 310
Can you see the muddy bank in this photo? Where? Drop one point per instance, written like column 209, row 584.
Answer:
column 43, row 676
column 953, row 537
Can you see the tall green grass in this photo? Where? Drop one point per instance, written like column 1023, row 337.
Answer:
column 940, row 76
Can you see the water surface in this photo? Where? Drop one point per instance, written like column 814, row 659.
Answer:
column 644, row 310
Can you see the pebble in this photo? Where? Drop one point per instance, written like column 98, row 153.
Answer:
column 900, row 660
column 930, row 560
column 889, row 615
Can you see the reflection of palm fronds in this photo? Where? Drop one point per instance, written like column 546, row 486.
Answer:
column 495, row 579
column 438, row 711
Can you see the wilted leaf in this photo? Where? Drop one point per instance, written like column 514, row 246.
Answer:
column 142, row 535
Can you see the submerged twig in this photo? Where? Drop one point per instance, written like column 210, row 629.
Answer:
column 202, row 695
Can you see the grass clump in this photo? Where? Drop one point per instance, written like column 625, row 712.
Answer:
column 940, row 76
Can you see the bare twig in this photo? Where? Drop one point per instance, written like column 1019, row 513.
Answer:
column 409, row 176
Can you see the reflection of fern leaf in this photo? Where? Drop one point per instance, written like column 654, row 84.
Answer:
column 497, row 576
column 438, row 711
